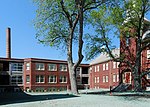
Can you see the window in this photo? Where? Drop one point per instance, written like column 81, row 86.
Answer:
column 148, row 54
column 114, row 65
column 52, row 67
column 28, row 66
column 63, row 67
column 40, row 66
column 97, row 67
column 17, row 66
column 107, row 66
column 114, row 78
column 63, row 79
column 103, row 67
column 52, row 79
column 40, row 79
column 148, row 76
column 103, row 78
column 78, row 71
column 27, row 79
column 95, row 79
column 106, row 78
column 118, row 64
column 17, row 79
column 117, row 77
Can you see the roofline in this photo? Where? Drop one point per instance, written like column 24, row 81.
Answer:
column 11, row 59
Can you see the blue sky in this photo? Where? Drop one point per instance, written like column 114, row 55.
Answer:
column 18, row 15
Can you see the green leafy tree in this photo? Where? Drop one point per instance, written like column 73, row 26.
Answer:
column 60, row 24
column 126, row 17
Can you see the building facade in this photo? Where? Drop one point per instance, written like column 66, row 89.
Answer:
column 128, row 49
column 104, row 72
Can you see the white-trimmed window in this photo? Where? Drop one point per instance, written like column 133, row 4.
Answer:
column 27, row 79
column 148, row 76
column 95, row 68
column 114, row 77
column 98, row 68
column 117, row 77
column 62, row 67
column 118, row 64
column 103, row 79
column 27, row 66
column 148, row 54
column 106, row 78
column 52, row 79
column 17, row 67
column 52, row 67
column 106, row 66
column 40, row 66
column 40, row 78
column 103, row 67
column 95, row 80
column 114, row 65
column 63, row 79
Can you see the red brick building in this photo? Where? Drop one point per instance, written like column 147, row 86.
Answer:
column 128, row 50
column 51, row 75
column 104, row 72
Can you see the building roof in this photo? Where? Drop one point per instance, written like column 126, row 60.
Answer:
column 105, row 57
column 11, row 59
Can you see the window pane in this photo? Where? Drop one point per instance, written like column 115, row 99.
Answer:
column 63, row 67
column 39, row 66
column 52, row 67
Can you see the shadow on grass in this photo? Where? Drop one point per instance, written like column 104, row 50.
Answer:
column 20, row 97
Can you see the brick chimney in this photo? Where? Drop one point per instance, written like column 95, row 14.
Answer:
column 8, row 43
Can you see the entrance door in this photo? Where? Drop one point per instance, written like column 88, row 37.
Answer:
column 127, row 78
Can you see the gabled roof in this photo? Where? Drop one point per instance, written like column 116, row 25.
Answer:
column 104, row 57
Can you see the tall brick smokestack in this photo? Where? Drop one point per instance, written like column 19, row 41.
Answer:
column 8, row 43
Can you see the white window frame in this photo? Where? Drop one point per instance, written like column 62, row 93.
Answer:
column 114, row 77
column 62, row 77
column 27, row 66
column 40, row 66
column 117, row 77
column 62, row 67
column 95, row 68
column 95, row 80
column 118, row 64
column 106, row 78
column 27, row 78
column 53, row 78
column 148, row 54
column 106, row 66
column 52, row 67
column 114, row 65
column 103, row 67
column 39, row 79
column 98, row 68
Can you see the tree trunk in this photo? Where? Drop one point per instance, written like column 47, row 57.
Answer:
column 73, row 81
